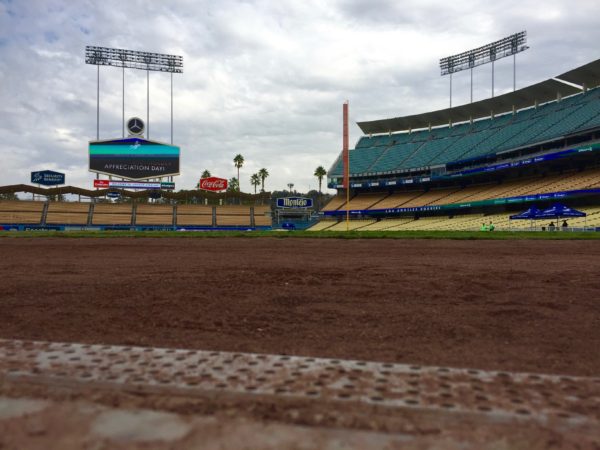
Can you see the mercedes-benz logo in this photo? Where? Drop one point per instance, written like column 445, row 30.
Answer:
column 135, row 125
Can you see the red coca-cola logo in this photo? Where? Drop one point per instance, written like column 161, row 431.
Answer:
column 213, row 184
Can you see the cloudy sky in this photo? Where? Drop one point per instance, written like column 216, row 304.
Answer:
column 266, row 79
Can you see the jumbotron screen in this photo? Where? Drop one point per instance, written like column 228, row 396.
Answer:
column 134, row 158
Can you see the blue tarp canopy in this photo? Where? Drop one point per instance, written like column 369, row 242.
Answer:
column 531, row 214
column 559, row 210
column 556, row 211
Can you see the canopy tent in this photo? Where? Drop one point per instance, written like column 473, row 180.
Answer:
column 560, row 211
column 557, row 211
column 531, row 214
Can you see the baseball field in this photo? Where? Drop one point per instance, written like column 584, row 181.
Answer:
column 505, row 305
column 490, row 306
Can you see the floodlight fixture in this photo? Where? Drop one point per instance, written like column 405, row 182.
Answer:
column 131, row 59
column 508, row 46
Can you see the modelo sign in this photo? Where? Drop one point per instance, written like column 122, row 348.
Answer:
column 134, row 158
column 47, row 178
column 294, row 202
column 213, row 184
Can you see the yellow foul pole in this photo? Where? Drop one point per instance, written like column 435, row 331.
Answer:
column 346, row 157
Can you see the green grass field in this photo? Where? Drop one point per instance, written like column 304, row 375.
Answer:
column 465, row 235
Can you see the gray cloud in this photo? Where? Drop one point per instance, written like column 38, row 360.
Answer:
column 265, row 79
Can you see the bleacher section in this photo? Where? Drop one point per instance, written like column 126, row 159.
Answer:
column 155, row 215
column 394, row 153
column 262, row 216
column 154, row 219
column 64, row 213
column 233, row 215
column 112, row 214
column 426, row 198
column 21, row 212
column 395, row 200
column 563, row 182
column 388, row 224
column 127, row 214
column 352, row 225
column 568, row 181
column 365, row 201
column 335, row 203
column 467, row 222
column 194, row 215
column 323, row 225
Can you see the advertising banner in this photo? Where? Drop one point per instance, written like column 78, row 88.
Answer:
column 47, row 178
column 134, row 158
column 213, row 184
column 294, row 202
column 105, row 184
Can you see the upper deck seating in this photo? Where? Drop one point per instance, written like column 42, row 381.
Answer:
column 386, row 154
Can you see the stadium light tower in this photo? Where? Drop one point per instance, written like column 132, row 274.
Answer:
column 507, row 46
column 131, row 59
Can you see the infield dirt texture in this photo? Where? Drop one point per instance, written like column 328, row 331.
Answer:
column 504, row 305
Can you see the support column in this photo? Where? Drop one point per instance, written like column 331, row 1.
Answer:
column 123, row 119
column 98, row 105
column 492, row 79
column 147, row 104
column 450, row 89
column 98, row 112
column 172, row 108
column 471, row 85
column 514, row 72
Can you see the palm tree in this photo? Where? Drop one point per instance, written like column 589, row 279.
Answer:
column 263, row 173
column 255, row 181
column 233, row 185
column 320, row 172
column 205, row 174
column 290, row 186
column 238, row 162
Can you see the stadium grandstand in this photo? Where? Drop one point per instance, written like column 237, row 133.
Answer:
column 19, row 214
column 134, row 210
column 457, row 168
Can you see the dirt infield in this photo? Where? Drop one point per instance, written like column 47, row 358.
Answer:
column 509, row 305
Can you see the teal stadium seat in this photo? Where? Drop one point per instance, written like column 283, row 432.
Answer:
column 396, row 152
column 428, row 151
column 393, row 157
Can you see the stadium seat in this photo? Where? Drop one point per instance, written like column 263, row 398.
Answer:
column 112, row 214
column 154, row 219
column 26, row 212
column 422, row 148
column 335, row 203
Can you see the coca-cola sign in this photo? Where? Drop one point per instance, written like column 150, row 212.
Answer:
column 213, row 184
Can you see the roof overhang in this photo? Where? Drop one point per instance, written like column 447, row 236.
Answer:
column 587, row 75
column 546, row 91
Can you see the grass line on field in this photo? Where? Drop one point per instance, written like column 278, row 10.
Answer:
column 461, row 235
